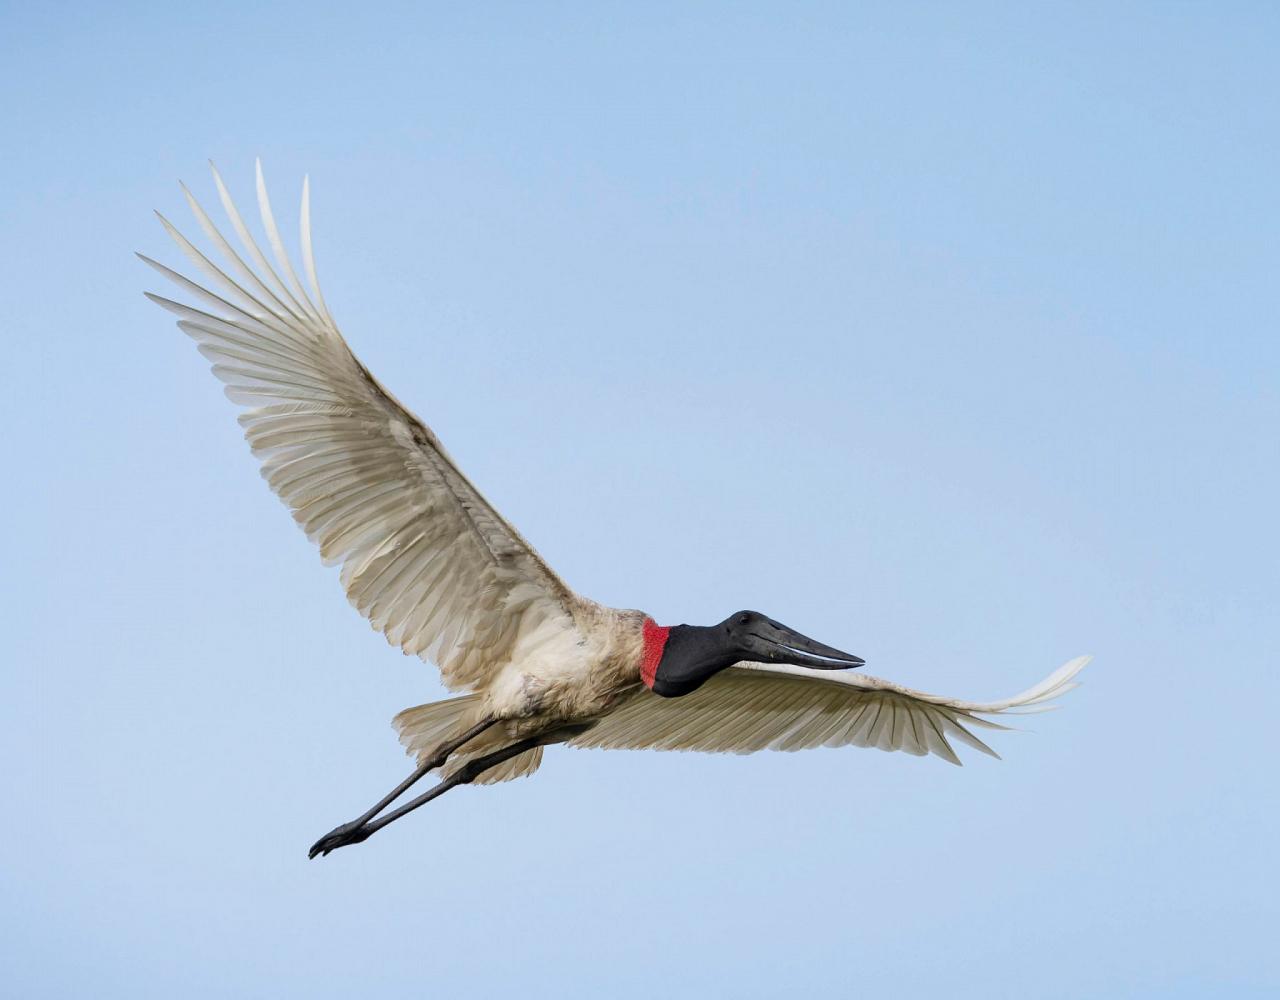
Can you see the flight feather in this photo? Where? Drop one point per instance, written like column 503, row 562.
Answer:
column 424, row 556
column 758, row 706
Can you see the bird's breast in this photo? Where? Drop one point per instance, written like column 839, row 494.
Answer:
column 570, row 673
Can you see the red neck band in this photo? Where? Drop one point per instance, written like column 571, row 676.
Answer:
column 655, row 641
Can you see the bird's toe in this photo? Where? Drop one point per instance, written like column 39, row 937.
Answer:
column 340, row 836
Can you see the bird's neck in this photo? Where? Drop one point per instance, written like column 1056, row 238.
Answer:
column 655, row 643
column 679, row 659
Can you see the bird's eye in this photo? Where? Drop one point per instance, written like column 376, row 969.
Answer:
column 744, row 620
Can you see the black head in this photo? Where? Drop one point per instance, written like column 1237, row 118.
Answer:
column 759, row 637
column 693, row 654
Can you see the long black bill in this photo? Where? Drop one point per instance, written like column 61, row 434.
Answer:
column 778, row 644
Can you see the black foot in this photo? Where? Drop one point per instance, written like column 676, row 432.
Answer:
column 340, row 836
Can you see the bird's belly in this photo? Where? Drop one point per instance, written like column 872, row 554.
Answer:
column 525, row 694
column 563, row 674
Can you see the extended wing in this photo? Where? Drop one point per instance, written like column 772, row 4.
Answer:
column 424, row 556
column 757, row 706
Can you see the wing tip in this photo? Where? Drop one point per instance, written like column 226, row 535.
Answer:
column 1057, row 683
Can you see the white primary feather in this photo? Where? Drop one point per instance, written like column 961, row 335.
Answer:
column 424, row 556
column 757, row 706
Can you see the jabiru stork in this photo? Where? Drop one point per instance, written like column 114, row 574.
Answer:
column 442, row 575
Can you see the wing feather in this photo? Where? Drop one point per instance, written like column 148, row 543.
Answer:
column 754, row 706
column 423, row 555
column 280, row 293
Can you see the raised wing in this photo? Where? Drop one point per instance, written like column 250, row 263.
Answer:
column 757, row 706
column 424, row 556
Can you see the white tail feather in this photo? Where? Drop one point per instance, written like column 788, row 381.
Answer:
column 424, row 727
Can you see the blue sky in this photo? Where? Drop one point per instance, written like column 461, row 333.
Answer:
column 947, row 335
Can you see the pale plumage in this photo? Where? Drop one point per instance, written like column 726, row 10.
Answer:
column 424, row 557
column 443, row 576
column 757, row 706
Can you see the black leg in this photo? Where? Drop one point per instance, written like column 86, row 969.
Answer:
column 348, row 833
column 466, row 774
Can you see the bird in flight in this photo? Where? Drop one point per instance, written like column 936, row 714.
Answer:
column 443, row 576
